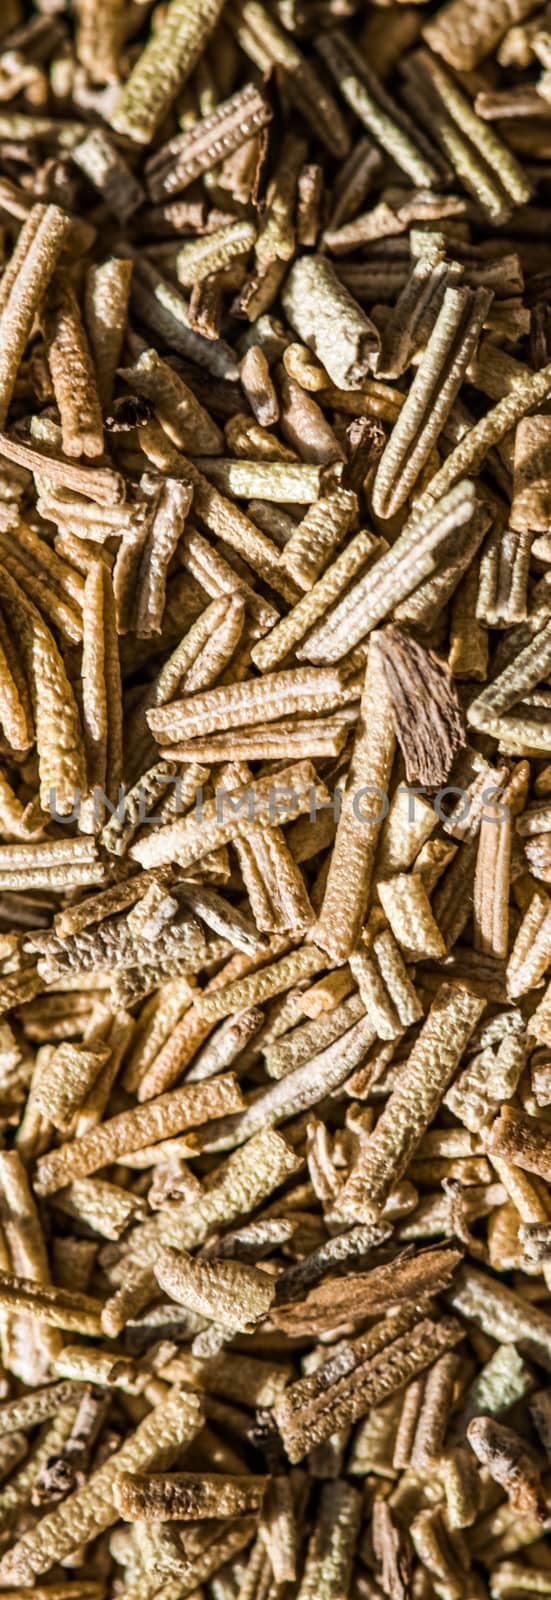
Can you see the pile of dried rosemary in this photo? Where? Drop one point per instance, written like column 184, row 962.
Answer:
column 275, row 800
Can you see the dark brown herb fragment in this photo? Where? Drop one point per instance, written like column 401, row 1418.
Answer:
column 427, row 717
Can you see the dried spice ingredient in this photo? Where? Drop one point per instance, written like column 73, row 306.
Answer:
column 275, row 820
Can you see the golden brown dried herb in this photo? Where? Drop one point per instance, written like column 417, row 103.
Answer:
column 249, row 379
